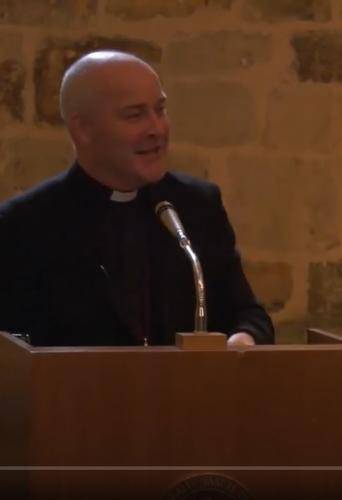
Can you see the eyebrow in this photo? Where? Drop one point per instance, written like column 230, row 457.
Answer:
column 132, row 107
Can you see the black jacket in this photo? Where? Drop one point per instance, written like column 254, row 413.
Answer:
column 53, row 288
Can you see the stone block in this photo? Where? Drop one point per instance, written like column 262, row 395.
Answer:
column 224, row 4
column 318, row 56
column 30, row 161
column 188, row 162
column 218, row 52
column 57, row 55
column 211, row 113
column 145, row 9
column 47, row 13
column 12, row 78
column 299, row 119
column 286, row 10
column 271, row 282
column 283, row 204
column 325, row 294
column 337, row 120
column 5, row 189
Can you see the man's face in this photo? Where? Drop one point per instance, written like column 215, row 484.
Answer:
column 129, row 131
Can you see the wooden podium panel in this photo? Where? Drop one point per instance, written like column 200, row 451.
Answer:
column 137, row 423
column 318, row 336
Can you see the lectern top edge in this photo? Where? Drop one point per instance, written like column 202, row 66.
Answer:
column 240, row 350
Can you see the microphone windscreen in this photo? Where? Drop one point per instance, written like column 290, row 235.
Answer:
column 162, row 206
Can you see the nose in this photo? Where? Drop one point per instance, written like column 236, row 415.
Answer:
column 157, row 123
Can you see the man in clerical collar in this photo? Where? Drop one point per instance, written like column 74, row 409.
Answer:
column 84, row 260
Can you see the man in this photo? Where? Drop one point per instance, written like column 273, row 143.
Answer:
column 84, row 260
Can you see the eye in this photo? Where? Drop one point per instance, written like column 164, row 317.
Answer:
column 134, row 115
column 161, row 110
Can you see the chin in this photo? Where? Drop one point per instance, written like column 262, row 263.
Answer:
column 154, row 175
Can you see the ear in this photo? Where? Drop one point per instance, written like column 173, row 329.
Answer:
column 80, row 129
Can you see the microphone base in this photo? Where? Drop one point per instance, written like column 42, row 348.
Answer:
column 201, row 341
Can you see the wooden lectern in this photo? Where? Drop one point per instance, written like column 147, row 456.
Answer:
column 154, row 423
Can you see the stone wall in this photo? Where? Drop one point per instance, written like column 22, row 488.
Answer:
column 255, row 98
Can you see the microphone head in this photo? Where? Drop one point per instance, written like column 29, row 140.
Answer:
column 169, row 217
column 162, row 206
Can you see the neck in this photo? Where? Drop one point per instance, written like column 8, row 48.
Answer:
column 108, row 180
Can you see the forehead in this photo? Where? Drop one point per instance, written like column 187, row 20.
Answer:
column 128, row 83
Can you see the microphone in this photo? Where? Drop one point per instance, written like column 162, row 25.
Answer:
column 169, row 217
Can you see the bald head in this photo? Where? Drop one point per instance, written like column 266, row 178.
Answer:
column 84, row 82
column 114, row 108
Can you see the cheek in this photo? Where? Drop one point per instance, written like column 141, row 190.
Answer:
column 167, row 127
column 128, row 137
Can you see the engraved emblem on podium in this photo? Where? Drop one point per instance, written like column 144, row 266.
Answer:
column 208, row 487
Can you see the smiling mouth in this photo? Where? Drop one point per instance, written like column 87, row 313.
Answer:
column 156, row 150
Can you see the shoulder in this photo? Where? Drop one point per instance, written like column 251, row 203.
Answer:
column 189, row 181
column 39, row 198
column 180, row 186
column 198, row 200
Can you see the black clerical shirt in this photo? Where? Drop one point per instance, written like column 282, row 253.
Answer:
column 123, row 253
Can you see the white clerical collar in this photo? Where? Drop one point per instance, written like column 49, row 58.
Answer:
column 123, row 196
